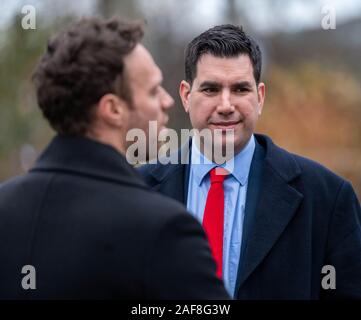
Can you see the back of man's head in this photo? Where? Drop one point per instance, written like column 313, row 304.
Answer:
column 82, row 64
column 222, row 41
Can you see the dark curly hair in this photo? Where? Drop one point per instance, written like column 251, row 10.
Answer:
column 222, row 41
column 81, row 64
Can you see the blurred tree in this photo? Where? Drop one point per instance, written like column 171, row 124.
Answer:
column 21, row 122
column 126, row 9
column 316, row 112
column 19, row 116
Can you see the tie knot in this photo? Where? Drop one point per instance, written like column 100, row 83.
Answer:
column 218, row 175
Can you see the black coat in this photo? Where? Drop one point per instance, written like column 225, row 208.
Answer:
column 92, row 229
column 299, row 217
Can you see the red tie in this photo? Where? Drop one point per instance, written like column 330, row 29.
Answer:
column 214, row 216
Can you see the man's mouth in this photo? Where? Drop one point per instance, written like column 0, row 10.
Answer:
column 225, row 124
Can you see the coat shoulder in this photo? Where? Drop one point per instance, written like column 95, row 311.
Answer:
column 314, row 170
column 289, row 164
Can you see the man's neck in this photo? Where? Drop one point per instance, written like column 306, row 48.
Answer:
column 107, row 138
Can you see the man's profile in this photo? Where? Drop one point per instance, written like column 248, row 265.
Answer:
column 82, row 218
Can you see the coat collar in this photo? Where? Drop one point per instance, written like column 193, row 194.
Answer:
column 281, row 161
column 80, row 155
column 276, row 158
column 200, row 165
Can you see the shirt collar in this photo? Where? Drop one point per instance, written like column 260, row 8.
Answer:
column 239, row 166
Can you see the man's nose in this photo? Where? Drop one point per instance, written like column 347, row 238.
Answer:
column 166, row 100
column 225, row 105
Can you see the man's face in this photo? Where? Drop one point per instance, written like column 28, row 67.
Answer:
column 224, row 95
column 150, row 101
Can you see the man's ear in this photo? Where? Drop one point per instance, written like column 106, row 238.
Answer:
column 184, row 91
column 261, row 92
column 112, row 110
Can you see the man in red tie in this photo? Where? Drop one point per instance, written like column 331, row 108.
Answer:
column 277, row 219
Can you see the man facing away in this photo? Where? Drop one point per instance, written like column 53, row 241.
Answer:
column 280, row 226
column 81, row 223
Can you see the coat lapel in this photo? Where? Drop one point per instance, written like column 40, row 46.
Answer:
column 173, row 178
column 276, row 204
column 172, row 182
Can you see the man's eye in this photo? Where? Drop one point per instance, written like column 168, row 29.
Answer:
column 154, row 91
column 241, row 90
column 209, row 90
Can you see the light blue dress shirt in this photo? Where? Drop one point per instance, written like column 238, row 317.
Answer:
column 235, row 190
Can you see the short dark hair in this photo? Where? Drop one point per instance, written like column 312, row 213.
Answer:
column 222, row 41
column 81, row 64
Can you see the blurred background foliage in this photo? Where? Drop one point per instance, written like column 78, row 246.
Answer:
column 312, row 75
